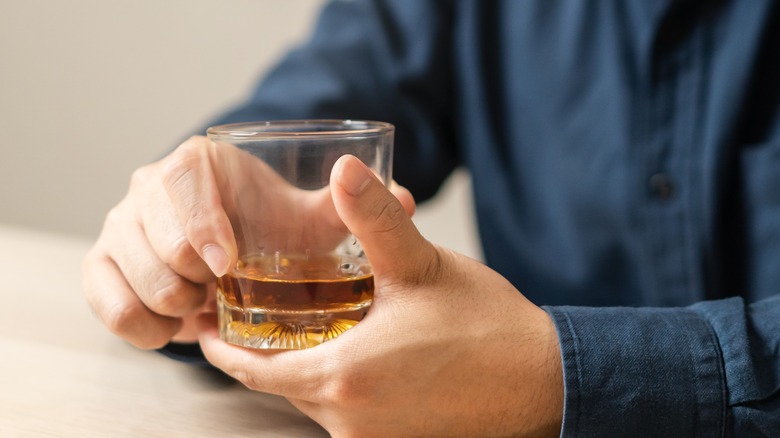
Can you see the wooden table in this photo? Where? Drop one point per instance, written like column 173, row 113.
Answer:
column 63, row 374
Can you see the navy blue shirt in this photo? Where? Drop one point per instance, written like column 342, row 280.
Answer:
column 625, row 158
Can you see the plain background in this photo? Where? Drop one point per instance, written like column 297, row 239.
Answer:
column 92, row 89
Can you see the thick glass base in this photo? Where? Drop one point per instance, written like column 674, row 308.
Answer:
column 289, row 330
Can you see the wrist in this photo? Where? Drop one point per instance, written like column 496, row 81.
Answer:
column 552, row 386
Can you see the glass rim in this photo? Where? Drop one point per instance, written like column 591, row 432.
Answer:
column 280, row 129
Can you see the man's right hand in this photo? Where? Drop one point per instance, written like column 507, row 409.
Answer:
column 154, row 266
column 161, row 247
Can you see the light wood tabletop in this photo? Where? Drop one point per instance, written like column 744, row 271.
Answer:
column 62, row 374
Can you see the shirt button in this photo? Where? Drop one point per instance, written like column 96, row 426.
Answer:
column 661, row 186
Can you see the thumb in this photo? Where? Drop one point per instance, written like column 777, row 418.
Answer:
column 396, row 249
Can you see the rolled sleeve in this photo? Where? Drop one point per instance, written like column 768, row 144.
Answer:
column 640, row 372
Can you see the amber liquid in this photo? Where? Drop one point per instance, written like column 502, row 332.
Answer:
column 294, row 301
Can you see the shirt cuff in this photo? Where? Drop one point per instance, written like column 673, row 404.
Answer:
column 185, row 352
column 639, row 372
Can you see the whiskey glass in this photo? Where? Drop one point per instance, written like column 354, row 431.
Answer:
column 301, row 278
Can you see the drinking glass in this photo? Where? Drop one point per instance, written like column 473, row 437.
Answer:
column 301, row 278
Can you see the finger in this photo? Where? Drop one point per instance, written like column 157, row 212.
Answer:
column 289, row 373
column 378, row 219
column 161, row 289
column 189, row 180
column 404, row 196
column 189, row 328
column 118, row 307
column 164, row 232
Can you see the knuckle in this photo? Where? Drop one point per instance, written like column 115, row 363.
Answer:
column 126, row 321
column 199, row 223
column 179, row 164
column 190, row 148
column 114, row 217
column 122, row 318
column 248, row 379
column 181, row 253
column 347, row 389
column 390, row 216
column 194, row 142
column 87, row 282
column 168, row 297
column 88, row 265
column 140, row 177
column 177, row 169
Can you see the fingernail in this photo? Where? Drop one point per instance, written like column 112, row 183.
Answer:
column 353, row 175
column 217, row 259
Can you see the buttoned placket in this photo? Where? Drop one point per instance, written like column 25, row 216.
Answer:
column 668, row 163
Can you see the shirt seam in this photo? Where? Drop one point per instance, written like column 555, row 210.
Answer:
column 574, row 360
column 721, row 373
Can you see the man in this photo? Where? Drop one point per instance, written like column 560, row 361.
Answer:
column 623, row 153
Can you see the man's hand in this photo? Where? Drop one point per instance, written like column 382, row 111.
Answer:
column 448, row 348
column 162, row 247
column 147, row 276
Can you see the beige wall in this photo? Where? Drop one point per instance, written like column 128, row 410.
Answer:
column 92, row 89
